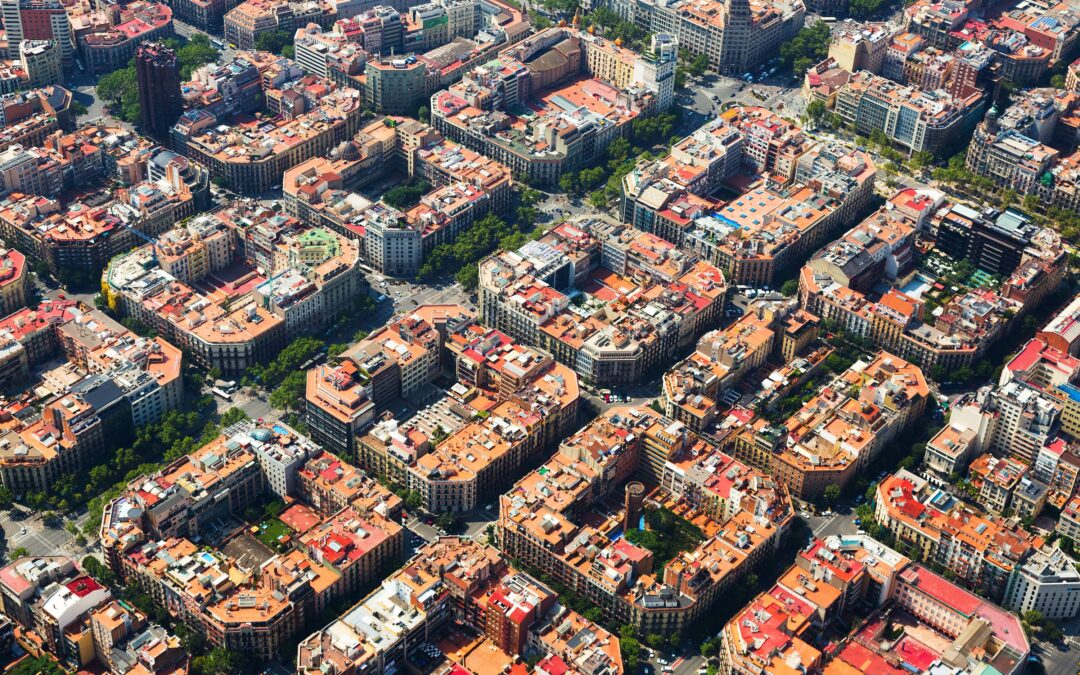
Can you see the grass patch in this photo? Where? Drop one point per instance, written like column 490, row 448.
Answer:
column 666, row 535
column 273, row 529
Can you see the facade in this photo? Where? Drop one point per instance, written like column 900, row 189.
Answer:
column 158, row 76
column 838, row 433
column 983, row 551
column 622, row 334
column 251, row 164
column 809, row 189
column 735, row 37
column 13, row 280
column 1049, row 583
column 911, row 118
column 453, row 583
column 41, row 61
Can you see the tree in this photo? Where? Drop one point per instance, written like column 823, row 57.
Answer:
column 1057, row 81
column 218, row 661
column 94, row 568
column 423, row 114
column 6, row 498
column 598, row 199
column 526, row 216
column 191, row 54
column 17, row 552
column 78, row 108
column 861, row 9
column 922, row 159
column 699, row 65
column 447, row 522
column 36, row 665
column 274, row 41
column 569, row 182
column 809, row 46
column 815, row 110
column 631, row 653
column 468, row 277
column 832, row 493
column 408, row 195
column 594, row 614
column 790, row 288
column 290, row 393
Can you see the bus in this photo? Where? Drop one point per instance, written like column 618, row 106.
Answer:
column 224, row 395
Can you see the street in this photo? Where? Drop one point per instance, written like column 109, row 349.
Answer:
column 26, row 529
column 706, row 97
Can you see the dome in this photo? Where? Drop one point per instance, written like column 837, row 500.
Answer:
column 262, row 434
column 350, row 152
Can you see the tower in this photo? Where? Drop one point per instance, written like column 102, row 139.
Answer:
column 634, row 499
column 158, row 76
column 656, row 69
column 735, row 41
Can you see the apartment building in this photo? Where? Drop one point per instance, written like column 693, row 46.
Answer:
column 254, row 157
column 112, row 381
column 951, row 450
column 862, row 46
column 960, row 335
column 1029, row 146
column 644, row 300
column 1062, row 331
column 478, row 112
column 259, row 604
column 124, row 641
column 766, row 229
column 467, row 186
column 39, row 20
column 735, row 37
column 839, row 432
column 898, row 602
column 13, row 276
column 216, row 92
column 466, row 468
column 329, row 485
column 79, row 237
column 454, row 583
column 49, row 597
column 545, row 520
column 107, row 40
column 830, row 579
column 913, row 119
column 296, row 279
column 1047, row 582
column 996, row 480
column 693, row 388
column 982, row 550
column 31, row 116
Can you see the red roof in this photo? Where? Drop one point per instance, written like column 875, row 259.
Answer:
column 941, row 590
column 83, row 586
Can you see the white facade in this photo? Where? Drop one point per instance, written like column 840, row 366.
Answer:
column 1049, row 583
